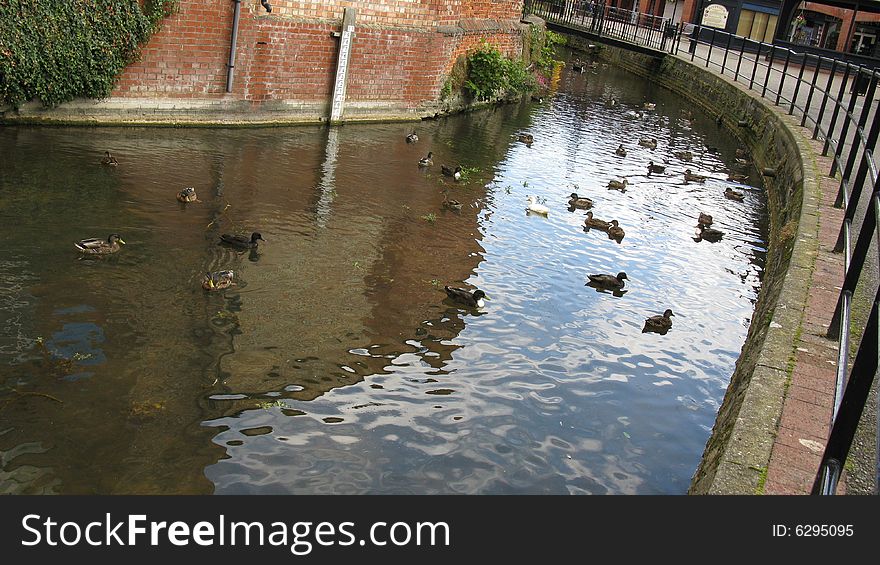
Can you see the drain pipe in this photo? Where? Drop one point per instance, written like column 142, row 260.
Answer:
column 231, row 66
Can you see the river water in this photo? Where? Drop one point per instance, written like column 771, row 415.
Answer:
column 337, row 365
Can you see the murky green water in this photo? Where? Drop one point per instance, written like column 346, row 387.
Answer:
column 336, row 365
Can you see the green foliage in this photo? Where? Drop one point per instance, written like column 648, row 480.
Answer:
column 490, row 73
column 57, row 50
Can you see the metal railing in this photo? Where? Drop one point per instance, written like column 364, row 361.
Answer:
column 837, row 100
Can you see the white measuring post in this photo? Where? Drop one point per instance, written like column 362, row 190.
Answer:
column 342, row 64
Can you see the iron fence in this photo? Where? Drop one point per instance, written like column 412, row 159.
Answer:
column 837, row 100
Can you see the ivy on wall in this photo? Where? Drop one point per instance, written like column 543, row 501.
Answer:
column 57, row 50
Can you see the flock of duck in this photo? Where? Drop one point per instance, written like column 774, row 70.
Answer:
column 219, row 280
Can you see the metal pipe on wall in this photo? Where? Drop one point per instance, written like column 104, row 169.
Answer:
column 233, row 40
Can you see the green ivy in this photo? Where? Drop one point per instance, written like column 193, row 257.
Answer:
column 58, row 50
column 490, row 73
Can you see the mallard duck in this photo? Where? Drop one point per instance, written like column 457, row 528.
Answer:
column 109, row 160
column 648, row 142
column 704, row 220
column 620, row 150
column 610, row 282
column 615, row 231
column 427, row 160
column 578, row 66
column 734, row 195
column 693, row 177
column 188, row 195
column 450, row 172
column 218, row 280
column 618, row 184
column 241, row 241
column 580, row 202
column 659, row 324
column 473, row 299
column 451, row 204
column 684, row 155
column 412, row 138
column 652, row 168
column 649, row 105
column 737, row 177
column 98, row 246
column 526, row 138
column 536, row 208
column 709, row 234
column 592, row 222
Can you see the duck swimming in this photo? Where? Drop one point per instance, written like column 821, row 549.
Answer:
column 218, row 280
column 652, row 168
column 692, row 177
column 704, row 220
column 734, row 195
column 620, row 150
column 427, row 160
column 451, row 204
column 450, row 172
column 98, row 246
column 473, row 299
column 648, row 142
column 592, row 222
column 618, row 184
column 536, row 208
column 709, row 234
column 580, row 202
column 659, row 324
column 610, row 282
column 241, row 241
column 615, row 231
column 526, row 138
column 684, row 155
column 737, row 177
column 412, row 138
column 109, row 160
column 188, row 195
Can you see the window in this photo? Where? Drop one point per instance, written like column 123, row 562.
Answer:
column 759, row 26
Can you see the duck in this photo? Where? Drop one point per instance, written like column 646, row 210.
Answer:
column 652, row 168
column 611, row 102
column 98, row 246
column 580, row 202
column 659, row 324
column 188, row 195
column 649, row 105
column 632, row 114
column 615, row 231
column 451, row 204
column 450, row 172
column 473, row 299
column 109, row 160
column 620, row 150
column 648, row 142
column 427, row 160
column 536, row 208
column 684, row 155
column 737, row 177
column 618, row 184
column 592, row 222
column 742, row 162
column 709, row 234
column 526, row 138
column 241, row 241
column 689, row 176
column 610, row 282
column 734, row 195
column 578, row 66
column 412, row 138
column 218, row 280
column 704, row 220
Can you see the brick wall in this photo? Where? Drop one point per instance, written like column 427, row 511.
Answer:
column 401, row 54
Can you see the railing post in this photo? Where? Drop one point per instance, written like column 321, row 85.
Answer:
column 825, row 94
column 838, row 151
column 810, row 93
column 769, row 68
column 726, row 51
column 742, row 50
column 863, row 119
column 834, row 118
column 711, row 45
column 855, row 397
column 860, row 252
column 797, row 85
column 782, row 78
column 755, row 66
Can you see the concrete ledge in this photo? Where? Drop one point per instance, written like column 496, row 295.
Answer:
column 738, row 453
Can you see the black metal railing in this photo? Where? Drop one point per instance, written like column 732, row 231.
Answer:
column 837, row 100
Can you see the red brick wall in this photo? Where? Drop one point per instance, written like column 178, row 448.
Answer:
column 398, row 53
